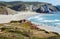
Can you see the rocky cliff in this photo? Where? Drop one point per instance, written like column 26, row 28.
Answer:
column 58, row 7
column 40, row 7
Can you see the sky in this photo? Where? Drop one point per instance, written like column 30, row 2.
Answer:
column 54, row 2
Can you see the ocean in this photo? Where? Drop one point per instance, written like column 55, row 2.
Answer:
column 52, row 20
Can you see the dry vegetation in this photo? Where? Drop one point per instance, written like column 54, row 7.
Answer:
column 24, row 30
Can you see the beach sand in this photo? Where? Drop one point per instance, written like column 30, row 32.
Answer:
column 16, row 17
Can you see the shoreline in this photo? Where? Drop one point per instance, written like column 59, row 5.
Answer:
column 48, row 28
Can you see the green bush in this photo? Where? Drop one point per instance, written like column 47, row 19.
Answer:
column 2, row 37
column 54, row 37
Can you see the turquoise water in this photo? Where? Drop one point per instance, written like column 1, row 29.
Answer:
column 47, row 19
column 52, row 21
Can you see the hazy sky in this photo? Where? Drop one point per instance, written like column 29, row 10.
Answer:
column 54, row 2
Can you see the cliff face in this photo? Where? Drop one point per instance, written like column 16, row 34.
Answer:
column 39, row 7
column 46, row 9
column 58, row 7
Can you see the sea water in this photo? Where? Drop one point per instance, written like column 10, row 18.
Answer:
column 52, row 20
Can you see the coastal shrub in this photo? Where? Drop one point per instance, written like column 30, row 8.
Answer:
column 55, row 33
column 20, row 21
column 37, row 38
column 2, row 37
column 46, row 32
column 25, row 25
column 54, row 37
column 2, row 29
column 6, row 28
column 13, row 21
column 42, row 30
column 23, row 32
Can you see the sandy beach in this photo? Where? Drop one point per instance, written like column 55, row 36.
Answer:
column 23, row 15
column 16, row 17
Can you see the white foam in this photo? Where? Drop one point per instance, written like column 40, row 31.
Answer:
column 41, row 18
